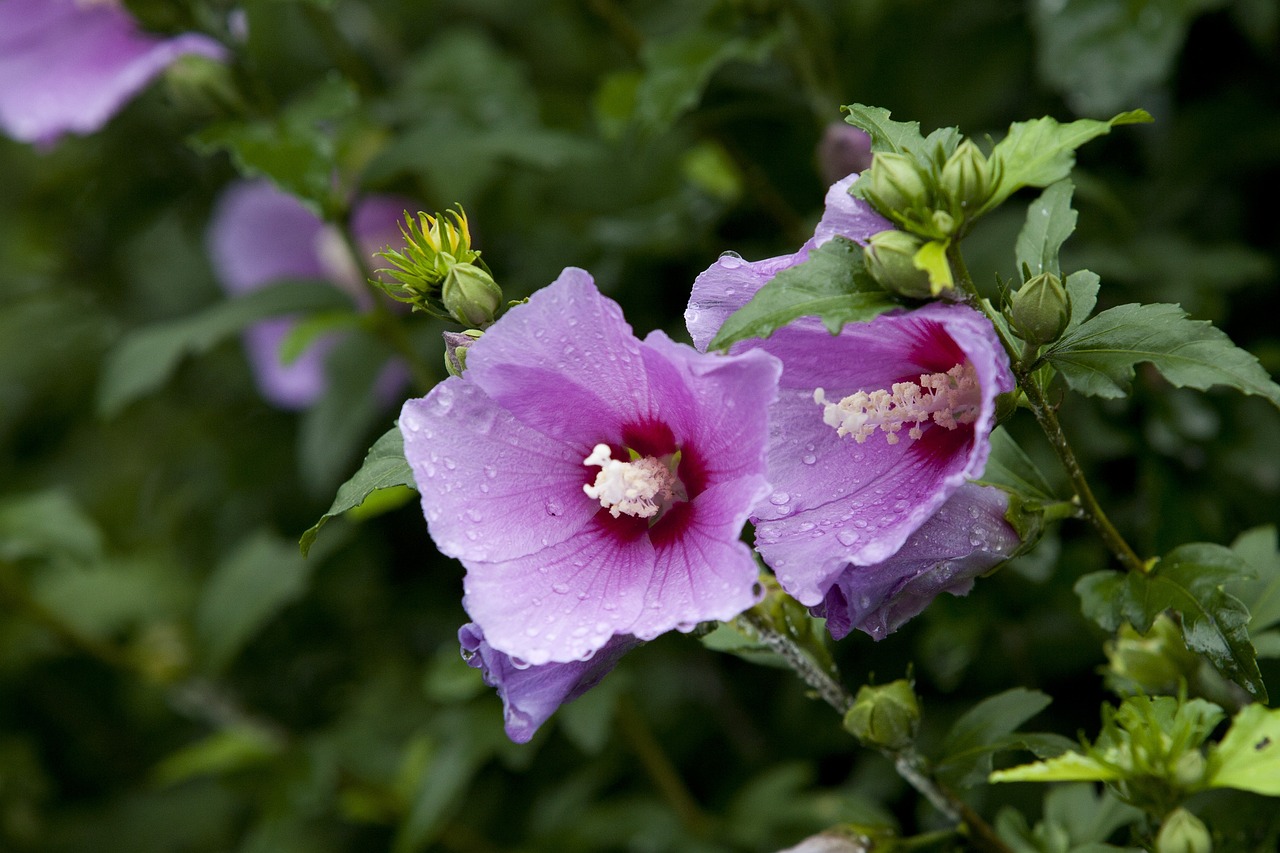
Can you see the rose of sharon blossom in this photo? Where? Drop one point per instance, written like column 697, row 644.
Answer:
column 67, row 66
column 531, row 694
column 593, row 485
column 259, row 235
column 873, row 438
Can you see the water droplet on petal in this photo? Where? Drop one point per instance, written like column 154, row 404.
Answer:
column 730, row 260
column 560, row 589
column 846, row 537
column 779, row 498
column 809, row 459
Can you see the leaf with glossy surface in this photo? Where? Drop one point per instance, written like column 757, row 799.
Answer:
column 832, row 283
column 1099, row 357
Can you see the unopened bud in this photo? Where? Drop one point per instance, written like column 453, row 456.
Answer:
column 1154, row 663
column 1041, row 309
column 895, row 183
column 890, row 260
column 844, row 149
column 1183, row 832
column 455, row 349
column 470, row 295
column 886, row 716
column 966, row 179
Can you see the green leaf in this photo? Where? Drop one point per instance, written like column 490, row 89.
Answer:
column 48, row 526
column 145, row 358
column 296, row 151
column 932, row 258
column 1009, row 468
column 964, row 758
column 1050, row 221
column 226, row 751
column 305, row 332
column 832, row 283
column 1101, row 54
column 245, row 592
column 1039, row 152
column 384, row 467
column 1068, row 767
column 1082, row 287
column 1261, row 594
column 1189, row 580
column 899, row 137
column 1098, row 358
column 1248, row 758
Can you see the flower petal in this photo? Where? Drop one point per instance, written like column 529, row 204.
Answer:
column 966, row 538
column 848, row 216
column 532, row 694
column 68, row 67
column 492, row 488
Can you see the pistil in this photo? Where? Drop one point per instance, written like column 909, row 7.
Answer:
column 947, row 399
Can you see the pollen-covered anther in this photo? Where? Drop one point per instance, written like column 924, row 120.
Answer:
column 947, row 399
column 641, row 488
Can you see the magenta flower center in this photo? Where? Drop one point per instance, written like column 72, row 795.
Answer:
column 946, row 399
column 644, row 487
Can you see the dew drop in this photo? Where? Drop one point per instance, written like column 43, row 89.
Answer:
column 809, row 459
column 779, row 498
column 560, row 589
column 730, row 260
column 846, row 537
column 553, row 507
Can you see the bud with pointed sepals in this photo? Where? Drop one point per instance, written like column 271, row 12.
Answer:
column 1183, row 832
column 967, row 179
column 1155, row 663
column 439, row 272
column 896, row 184
column 890, row 258
column 1040, row 309
column 455, row 349
column 470, row 295
column 886, row 716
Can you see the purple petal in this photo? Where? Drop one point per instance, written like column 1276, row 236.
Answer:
column 530, row 695
column 836, row 501
column 966, row 538
column 492, row 488
column 730, row 282
column 258, row 234
column 67, row 66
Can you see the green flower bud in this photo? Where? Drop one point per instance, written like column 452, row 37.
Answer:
column 1040, row 310
column 1153, row 663
column 455, row 349
column 895, row 183
column 966, row 179
column 1183, row 832
column 889, row 258
column 886, row 716
column 470, row 295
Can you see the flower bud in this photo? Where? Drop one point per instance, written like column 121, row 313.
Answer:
column 889, row 258
column 895, row 183
column 886, row 716
column 1040, row 310
column 966, row 179
column 1183, row 832
column 1153, row 663
column 470, row 295
column 844, row 149
column 455, row 349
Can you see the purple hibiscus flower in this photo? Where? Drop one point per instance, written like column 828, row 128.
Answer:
column 67, row 66
column 874, row 435
column 258, row 235
column 593, row 485
column 531, row 694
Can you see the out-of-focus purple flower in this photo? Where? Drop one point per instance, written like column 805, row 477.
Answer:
column 67, row 66
column 530, row 695
column 259, row 235
column 843, row 150
column 873, row 432
column 592, row 484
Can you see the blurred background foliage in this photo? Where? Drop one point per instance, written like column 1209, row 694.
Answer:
column 174, row 676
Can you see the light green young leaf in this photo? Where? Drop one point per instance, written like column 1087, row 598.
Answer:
column 964, row 758
column 384, row 467
column 145, row 358
column 1098, row 358
column 1068, row 767
column 899, row 137
column 932, row 258
column 1261, row 594
column 1082, row 288
column 245, row 592
column 832, row 283
column 1189, row 580
column 1039, row 152
column 1050, row 221
column 1248, row 758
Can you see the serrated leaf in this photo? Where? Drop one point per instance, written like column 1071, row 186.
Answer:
column 1082, row 288
column 1261, row 594
column 1189, row 581
column 1248, row 757
column 832, row 284
column 48, row 526
column 899, row 137
column 384, row 467
column 1050, row 221
column 145, row 358
column 1039, row 152
column 964, row 757
column 245, row 592
column 1099, row 357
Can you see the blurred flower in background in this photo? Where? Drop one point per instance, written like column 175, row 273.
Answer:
column 843, row 150
column 67, row 66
